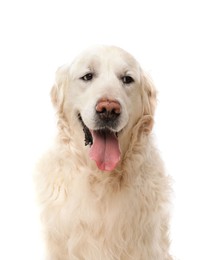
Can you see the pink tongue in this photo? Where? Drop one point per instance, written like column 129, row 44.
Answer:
column 105, row 150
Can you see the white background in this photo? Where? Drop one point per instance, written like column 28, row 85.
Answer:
column 175, row 41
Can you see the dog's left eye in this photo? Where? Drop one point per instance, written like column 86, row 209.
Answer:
column 87, row 77
column 127, row 79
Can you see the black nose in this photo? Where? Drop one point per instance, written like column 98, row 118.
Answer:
column 108, row 109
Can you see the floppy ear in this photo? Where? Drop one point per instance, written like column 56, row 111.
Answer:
column 59, row 87
column 150, row 101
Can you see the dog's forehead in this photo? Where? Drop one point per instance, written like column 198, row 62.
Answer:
column 106, row 55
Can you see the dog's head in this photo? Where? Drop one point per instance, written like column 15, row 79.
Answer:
column 105, row 92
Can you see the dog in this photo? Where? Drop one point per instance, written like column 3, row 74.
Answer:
column 102, row 187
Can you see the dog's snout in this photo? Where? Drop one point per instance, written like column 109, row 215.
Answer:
column 107, row 105
column 108, row 109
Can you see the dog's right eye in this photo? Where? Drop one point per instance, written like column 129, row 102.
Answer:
column 87, row 77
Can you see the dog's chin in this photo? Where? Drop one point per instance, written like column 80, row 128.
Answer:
column 104, row 146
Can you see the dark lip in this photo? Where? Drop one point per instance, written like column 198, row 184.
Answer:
column 88, row 138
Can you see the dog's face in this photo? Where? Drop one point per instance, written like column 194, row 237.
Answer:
column 106, row 93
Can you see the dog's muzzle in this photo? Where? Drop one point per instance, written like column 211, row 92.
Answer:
column 105, row 150
column 107, row 114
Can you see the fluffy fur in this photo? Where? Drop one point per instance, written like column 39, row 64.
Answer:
column 89, row 214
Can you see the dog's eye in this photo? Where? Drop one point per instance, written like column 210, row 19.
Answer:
column 87, row 77
column 127, row 79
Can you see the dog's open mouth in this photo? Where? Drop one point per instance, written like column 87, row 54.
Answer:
column 104, row 147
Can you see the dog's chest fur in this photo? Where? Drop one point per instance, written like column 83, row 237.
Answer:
column 109, row 216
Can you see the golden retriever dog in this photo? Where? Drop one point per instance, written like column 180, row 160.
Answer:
column 102, row 187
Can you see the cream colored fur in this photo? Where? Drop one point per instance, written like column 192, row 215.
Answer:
column 88, row 214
